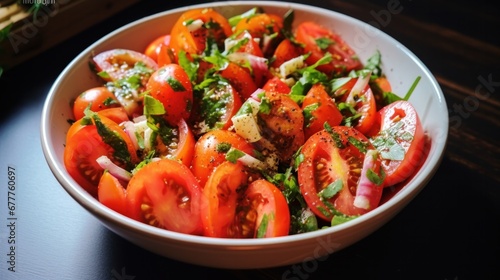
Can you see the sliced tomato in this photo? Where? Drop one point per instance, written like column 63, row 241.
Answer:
column 275, row 84
column 240, row 79
column 153, row 49
column 380, row 86
column 215, row 108
column 332, row 173
column 266, row 27
column 84, row 145
column 194, row 27
column 358, row 95
column 239, row 205
column 170, row 85
column 127, row 73
column 97, row 99
column 116, row 64
column 210, row 151
column 285, row 51
column 319, row 40
column 181, row 147
column 282, row 125
column 117, row 114
column 319, row 108
column 165, row 194
column 401, row 141
column 111, row 193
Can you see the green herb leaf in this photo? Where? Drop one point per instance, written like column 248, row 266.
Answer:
column 233, row 155
column 331, row 190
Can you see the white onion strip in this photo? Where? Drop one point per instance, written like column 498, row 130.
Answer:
column 114, row 169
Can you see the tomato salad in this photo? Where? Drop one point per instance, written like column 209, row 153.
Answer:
column 242, row 127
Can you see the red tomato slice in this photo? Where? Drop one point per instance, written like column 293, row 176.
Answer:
column 285, row 51
column 401, row 141
column 170, row 85
column 261, row 26
column 240, row 79
column 117, row 114
column 283, row 125
column 194, row 27
column 111, row 193
column 363, row 103
column 210, row 151
column 275, row 84
column 154, row 48
column 99, row 98
column 215, row 108
column 319, row 108
column 332, row 161
column 118, row 63
column 318, row 41
column 239, row 205
column 182, row 146
column 84, row 145
column 165, row 194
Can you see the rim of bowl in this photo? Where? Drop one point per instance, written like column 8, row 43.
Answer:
column 404, row 195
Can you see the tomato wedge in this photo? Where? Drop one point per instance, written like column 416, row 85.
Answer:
column 111, row 193
column 218, row 103
column 194, row 27
column 210, row 151
column 165, row 194
column 84, row 145
column 98, row 98
column 170, row 85
column 319, row 108
column 127, row 73
column 357, row 95
column 318, row 41
column 282, row 125
column 401, row 141
column 239, row 205
column 333, row 171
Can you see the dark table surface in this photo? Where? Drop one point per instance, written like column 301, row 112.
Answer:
column 451, row 230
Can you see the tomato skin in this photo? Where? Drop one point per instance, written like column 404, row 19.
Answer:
column 170, row 85
column 275, row 84
column 99, row 98
column 399, row 170
column 285, row 51
column 271, row 203
column 207, row 155
column 283, row 126
column 236, row 201
column 193, row 42
column 344, row 57
column 325, row 162
column 116, row 114
column 240, row 79
column 326, row 110
column 261, row 25
column 111, row 193
column 154, row 47
column 215, row 108
column 84, row 145
column 165, row 194
column 365, row 105
column 118, row 62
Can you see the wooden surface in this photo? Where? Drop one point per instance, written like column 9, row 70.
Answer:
column 451, row 230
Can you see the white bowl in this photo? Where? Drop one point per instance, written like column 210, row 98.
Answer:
column 401, row 67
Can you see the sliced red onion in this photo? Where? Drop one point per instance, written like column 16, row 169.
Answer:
column 258, row 64
column 366, row 188
column 255, row 94
column 114, row 169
